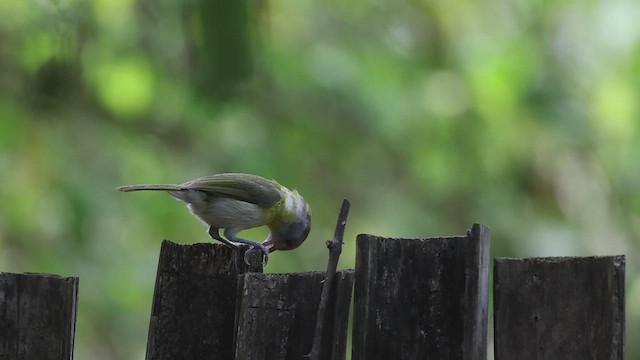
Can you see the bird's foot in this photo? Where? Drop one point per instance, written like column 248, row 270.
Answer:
column 257, row 246
column 230, row 234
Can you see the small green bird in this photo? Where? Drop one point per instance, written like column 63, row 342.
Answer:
column 236, row 202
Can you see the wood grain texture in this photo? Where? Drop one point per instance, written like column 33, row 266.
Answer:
column 277, row 315
column 559, row 308
column 192, row 315
column 37, row 316
column 421, row 298
column 476, row 296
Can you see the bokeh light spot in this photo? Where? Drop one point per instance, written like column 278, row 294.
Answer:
column 126, row 86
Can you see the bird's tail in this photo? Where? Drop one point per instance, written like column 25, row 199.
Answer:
column 157, row 187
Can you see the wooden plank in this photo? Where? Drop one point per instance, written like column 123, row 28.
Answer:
column 37, row 316
column 421, row 298
column 559, row 308
column 476, row 298
column 277, row 315
column 192, row 315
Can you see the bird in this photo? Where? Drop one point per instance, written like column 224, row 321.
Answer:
column 235, row 201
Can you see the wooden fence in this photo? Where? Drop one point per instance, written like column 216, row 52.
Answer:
column 413, row 299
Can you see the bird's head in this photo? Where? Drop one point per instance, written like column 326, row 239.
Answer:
column 293, row 228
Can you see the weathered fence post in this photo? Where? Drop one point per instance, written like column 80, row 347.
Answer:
column 37, row 316
column 277, row 315
column 194, row 302
column 559, row 308
column 421, row 298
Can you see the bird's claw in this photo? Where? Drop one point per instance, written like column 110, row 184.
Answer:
column 262, row 248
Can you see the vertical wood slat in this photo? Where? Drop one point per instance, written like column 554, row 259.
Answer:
column 476, row 293
column 277, row 314
column 37, row 316
column 192, row 315
column 559, row 308
column 421, row 298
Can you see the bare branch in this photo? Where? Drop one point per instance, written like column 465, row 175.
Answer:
column 335, row 248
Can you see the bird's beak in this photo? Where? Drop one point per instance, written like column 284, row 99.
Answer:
column 270, row 244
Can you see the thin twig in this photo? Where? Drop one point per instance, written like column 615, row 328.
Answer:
column 335, row 248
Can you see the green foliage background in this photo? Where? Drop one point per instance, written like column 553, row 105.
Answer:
column 427, row 115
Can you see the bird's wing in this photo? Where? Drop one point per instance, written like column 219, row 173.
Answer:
column 245, row 187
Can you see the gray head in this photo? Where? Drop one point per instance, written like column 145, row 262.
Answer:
column 290, row 234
